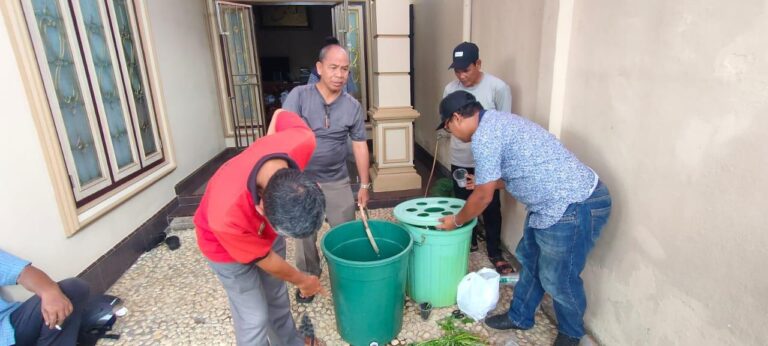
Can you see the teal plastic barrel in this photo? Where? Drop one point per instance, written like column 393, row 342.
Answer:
column 368, row 290
column 439, row 259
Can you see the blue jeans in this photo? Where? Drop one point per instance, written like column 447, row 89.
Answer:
column 552, row 260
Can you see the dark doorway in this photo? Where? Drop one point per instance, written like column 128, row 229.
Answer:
column 288, row 48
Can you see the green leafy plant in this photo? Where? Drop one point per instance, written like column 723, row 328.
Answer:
column 442, row 187
column 454, row 334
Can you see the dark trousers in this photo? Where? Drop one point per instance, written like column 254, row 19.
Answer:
column 27, row 320
column 491, row 216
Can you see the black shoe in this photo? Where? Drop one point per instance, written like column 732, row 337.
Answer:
column 478, row 234
column 502, row 322
column 303, row 300
column 565, row 340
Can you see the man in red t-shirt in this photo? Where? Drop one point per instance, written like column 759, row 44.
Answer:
column 252, row 202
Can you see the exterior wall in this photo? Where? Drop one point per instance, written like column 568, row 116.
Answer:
column 437, row 30
column 510, row 45
column 509, row 35
column 667, row 101
column 30, row 224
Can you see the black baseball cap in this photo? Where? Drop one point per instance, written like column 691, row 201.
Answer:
column 452, row 103
column 465, row 54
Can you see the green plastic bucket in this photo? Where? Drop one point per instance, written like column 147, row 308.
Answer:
column 439, row 259
column 368, row 290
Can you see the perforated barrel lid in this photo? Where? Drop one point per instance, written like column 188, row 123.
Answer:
column 427, row 211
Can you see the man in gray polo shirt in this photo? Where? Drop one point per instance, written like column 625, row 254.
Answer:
column 567, row 206
column 492, row 93
column 334, row 116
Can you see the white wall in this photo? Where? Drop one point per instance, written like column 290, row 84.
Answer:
column 437, row 28
column 668, row 101
column 509, row 35
column 511, row 52
column 30, row 225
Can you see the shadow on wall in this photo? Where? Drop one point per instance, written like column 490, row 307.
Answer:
column 606, row 245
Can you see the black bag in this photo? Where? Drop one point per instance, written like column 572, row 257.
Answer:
column 98, row 318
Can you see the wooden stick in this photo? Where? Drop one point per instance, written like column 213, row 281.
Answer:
column 368, row 230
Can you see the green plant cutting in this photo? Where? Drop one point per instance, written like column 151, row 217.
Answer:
column 454, row 334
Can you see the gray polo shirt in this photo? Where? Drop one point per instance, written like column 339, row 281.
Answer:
column 492, row 93
column 346, row 121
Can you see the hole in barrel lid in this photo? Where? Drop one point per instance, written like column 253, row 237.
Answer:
column 423, row 214
column 447, row 213
column 411, row 209
column 456, row 206
column 421, row 203
column 442, row 202
column 434, row 210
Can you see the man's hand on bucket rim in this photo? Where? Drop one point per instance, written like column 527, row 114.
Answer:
column 448, row 223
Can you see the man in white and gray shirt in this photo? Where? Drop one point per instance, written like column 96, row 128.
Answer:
column 492, row 93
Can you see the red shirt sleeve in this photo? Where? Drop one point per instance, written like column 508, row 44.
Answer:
column 289, row 120
column 293, row 134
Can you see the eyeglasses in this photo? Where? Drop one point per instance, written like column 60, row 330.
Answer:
column 447, row 125
column 327, row 116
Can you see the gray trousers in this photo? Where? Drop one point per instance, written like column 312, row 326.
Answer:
column 339, row 208
column 259, row 303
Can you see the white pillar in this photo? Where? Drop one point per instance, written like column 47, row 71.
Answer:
column 391, row 112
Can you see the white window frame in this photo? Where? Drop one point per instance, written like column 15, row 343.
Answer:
column 80, row 191
column 158, row 155
column 134, row 167
column 103, row 143
column 76, row 217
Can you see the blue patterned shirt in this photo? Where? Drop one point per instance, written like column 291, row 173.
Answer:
column 10, row 269
column 536, row 168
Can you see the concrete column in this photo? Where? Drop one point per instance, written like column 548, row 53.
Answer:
column 391, row 112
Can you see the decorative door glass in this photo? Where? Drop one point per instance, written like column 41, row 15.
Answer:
column 240, row 59
column 350, row 31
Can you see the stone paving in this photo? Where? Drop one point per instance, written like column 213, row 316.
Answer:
column 173, row 298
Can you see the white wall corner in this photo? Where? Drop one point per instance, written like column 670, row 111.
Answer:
column 560, row 65
column 466, row 29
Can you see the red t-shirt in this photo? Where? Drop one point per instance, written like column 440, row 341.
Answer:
column 229, row 229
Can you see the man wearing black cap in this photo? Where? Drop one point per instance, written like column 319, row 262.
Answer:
column 492, row 93
column 567, row 206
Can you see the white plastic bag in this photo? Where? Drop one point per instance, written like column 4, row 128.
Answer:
column 478, row 293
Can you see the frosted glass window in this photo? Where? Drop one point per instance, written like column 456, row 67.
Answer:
column 91, row 61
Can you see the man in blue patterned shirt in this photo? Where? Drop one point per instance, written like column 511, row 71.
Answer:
column 51, row 317
column 567, row 208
